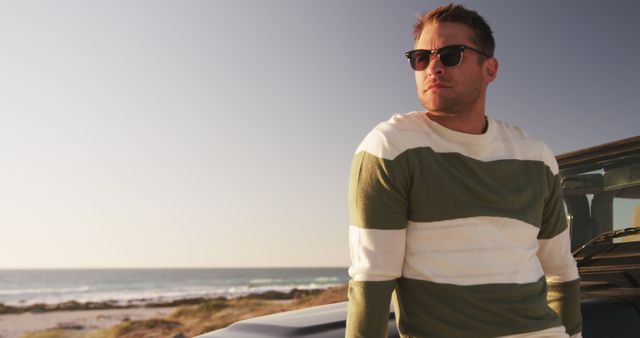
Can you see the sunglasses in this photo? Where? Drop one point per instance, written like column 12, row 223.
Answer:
column 449, row 56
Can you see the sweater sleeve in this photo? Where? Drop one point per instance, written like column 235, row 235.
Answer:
column 377, row 230
column 554, row 253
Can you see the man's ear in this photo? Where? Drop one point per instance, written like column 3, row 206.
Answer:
column 490, row 69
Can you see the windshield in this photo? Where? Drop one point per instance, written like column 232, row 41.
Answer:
column 603, row 199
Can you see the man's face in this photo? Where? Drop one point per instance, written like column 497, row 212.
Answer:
column 457, row 90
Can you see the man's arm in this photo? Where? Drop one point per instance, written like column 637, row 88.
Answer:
column 378, row 220
column 554, row 253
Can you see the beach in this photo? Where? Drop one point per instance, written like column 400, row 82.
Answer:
column 167, row 302
column 17, row 325
column 194, row 317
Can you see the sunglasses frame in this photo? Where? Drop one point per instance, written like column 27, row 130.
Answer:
column 460, row 49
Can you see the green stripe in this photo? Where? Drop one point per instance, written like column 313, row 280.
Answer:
column 554, row 220
column 368, row 311
column 564, row 298
column 428, row 309
column 378, row 193
column 425, row 186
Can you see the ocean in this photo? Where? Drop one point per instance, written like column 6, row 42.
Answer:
column 140, row 286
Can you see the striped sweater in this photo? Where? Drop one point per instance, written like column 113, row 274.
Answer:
column 468, row 230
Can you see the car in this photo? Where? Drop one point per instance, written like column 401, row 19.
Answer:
column 601, row 188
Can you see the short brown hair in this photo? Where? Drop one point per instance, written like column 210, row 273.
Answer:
column 483, row 36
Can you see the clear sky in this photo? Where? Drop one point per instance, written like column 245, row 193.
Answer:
column 220, row 133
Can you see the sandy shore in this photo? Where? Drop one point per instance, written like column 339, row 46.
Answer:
column 16, row 325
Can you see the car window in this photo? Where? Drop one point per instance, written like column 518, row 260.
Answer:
column 626, row 213
column 602, row 200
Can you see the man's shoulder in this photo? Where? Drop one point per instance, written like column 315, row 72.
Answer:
column 393, row 136
column 508, row 132
column 525, row 142
column 398, row 123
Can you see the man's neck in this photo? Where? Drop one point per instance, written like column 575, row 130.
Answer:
column 469, row 124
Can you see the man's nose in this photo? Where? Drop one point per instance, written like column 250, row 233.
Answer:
column 435, row 67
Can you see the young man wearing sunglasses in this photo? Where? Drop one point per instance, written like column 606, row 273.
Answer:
column 461, row 215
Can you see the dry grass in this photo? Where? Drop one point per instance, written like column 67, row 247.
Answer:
column 66, row 333
column 217, row 314
column 59, row 333
column 155, row 327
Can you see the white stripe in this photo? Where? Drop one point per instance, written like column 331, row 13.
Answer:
column 415, row 130
column 472, row 251
column 554, row 332
column 376, row 255
column 556, row 259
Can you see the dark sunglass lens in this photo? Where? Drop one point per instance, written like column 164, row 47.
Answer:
column 450, row 56
column 420, row 60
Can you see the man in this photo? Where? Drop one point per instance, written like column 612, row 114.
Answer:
column 460, row 214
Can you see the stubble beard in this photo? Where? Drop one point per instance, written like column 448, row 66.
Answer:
column 459, row 103
column 444, row 106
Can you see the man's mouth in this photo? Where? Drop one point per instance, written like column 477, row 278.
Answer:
column 436, row 86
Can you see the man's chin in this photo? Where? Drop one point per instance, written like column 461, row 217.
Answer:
column 438, row 107
column 434, row 104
